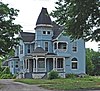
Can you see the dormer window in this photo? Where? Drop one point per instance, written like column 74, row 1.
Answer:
column 48, row 32
column 44, row 32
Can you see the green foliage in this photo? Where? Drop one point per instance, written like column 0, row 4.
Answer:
column 5, row 73
column 53, row 75
column 89, row 63
column 6, row 76
column 79, row 17
column 92, row 62
column 96, row 62
column 71, row 76
column 8, row 28
column 77, row 84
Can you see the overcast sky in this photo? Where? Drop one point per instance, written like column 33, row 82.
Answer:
column 29, row 11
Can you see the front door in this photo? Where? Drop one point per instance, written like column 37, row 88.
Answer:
column 31, row 65
column 49, row 64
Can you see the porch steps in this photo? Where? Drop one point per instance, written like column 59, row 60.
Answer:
column 45, row 76
column 28, row 75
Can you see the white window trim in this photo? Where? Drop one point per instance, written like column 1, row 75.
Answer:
column 48, row 45
column 46, row 32
column 63, row 49
column 75, row 62
column 28, row 46
column 75, row 46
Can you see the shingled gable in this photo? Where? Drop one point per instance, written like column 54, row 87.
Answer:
column 27, row 37
column 44, row 17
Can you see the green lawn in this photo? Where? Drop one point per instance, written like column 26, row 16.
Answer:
column 65, row 84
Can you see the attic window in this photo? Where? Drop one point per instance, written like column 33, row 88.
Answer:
column 44, row 32
column 48, row 32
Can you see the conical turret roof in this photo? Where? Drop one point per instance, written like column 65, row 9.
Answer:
column 43, row 17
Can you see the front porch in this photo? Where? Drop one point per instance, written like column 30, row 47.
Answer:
column 42, row 65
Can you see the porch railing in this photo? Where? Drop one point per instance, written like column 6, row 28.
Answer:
column 39, row 70
column 60, row 69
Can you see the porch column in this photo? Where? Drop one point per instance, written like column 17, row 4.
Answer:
column 36, row 63
column 45, row 64
column 54, row 63
column 57, row 45
column 25, row 64
column 28, row 65
column 64, row 64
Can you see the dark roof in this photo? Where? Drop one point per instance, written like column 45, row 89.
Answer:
column 39, row 50
column 56, row 30
column 43, row 17
column 51, row 54
column 27, row 37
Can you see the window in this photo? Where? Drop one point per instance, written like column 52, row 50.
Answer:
column 44, row 32
column 41, row 63
column 62, row 45
column 74, row 63
column 16, row 66
column 48, row 32
column 74, row 47
column 55, row 45
column 28, row 49
column 60, row 63
column 12, row 64
column 21, row 49
column 46, row 46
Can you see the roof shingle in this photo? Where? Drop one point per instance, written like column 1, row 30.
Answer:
column 43, row 17
column 27, row 37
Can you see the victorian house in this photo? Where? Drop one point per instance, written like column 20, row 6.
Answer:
column 47, row 49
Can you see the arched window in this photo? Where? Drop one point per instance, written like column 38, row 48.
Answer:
column 74, row 63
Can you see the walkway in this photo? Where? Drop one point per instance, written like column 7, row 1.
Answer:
column 9, row 85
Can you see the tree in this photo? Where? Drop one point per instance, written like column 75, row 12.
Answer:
column 89, row 64
column 8, row 29
column 96, row 62
column 80, row 18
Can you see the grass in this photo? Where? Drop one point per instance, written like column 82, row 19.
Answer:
column 65, row 84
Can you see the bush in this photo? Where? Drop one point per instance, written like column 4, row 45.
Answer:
column 71, row 76
column 53, row 75
column 6, row 76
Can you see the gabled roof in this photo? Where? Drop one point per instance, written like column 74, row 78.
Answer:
column 56, row 30
column 39, row 50
column 43, row 17
column 27, row 37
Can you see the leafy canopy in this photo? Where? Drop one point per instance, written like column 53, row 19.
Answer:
column 81, row 18
column 8, row 28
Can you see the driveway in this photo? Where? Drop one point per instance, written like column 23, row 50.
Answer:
column 9, row 85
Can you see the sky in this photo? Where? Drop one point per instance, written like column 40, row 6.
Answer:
column 29, row 12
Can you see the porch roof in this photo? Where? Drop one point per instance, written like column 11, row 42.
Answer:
column 39, row 50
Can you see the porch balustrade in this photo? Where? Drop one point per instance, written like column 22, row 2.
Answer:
column 39, row 70
column 60, row 69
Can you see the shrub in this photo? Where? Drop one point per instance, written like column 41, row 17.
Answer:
column 53, row 75
column 6, row 76
column 71, row 76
